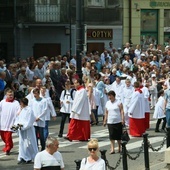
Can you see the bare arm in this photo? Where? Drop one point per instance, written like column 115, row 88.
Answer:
column 105, row 118
column 122, row 113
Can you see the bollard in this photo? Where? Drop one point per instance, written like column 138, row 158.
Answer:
column 146, row 153
column 103, row 155
column 168, row 137
column 78, row 162
column 124, row 155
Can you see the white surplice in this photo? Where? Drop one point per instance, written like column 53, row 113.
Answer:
column 8, row 113
column 81, row 106
column 27, row 139
column 146, row 94
column 39, row 108
column 137, row 106
column 159, row 108
column 117, row 88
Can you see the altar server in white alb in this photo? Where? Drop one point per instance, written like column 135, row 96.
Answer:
column 79, row 127
column 159, row 112
column 50, row 110
column 136, row 112
column 126, row 97
column 117, row 87
column 146, row 94
column 9, row 108
column 27, row 139
column 39, row 107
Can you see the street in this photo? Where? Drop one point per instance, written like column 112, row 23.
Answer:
column 78, row 150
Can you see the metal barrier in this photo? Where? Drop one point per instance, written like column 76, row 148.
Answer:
column 146, row 145
column 103, row 156
column 78, row 163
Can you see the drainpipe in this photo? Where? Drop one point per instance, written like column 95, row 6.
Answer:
column 130, row 22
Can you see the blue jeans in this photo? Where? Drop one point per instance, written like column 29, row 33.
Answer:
column 95, row 111
column 46, row 132
column 39, row 131
column 168, row 117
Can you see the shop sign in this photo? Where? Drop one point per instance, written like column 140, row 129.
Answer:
column 99, row 33
column 159, row 4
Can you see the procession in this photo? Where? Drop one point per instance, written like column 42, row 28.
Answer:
column 121, row 87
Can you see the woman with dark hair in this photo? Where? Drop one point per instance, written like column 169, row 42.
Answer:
column 27, row 139
column 114, row 118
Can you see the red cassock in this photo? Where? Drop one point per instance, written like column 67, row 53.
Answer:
column 147, row 120
column 79, row 130
column 137, row 127
column 137, row 114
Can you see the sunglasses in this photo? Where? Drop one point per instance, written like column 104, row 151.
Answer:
column 90, row 149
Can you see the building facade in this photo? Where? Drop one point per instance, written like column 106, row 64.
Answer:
column 48, row 27
column 146, row 22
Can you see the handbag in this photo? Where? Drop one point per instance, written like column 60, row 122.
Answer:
column 125, row 135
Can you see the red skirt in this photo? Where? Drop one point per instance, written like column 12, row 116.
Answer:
column 79, row 130
column 147, row 119
column 136, row 127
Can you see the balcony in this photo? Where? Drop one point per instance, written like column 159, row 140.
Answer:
column 35, row 13
column 47, row 13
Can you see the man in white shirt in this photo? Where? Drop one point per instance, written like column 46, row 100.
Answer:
column 127, row 62
column 50, row 158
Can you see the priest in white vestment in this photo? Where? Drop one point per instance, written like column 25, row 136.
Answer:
column 79, row 127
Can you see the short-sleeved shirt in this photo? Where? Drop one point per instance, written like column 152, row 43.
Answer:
column 46, row 160
column 98, row 165
column 167, row 98
column 114, row 115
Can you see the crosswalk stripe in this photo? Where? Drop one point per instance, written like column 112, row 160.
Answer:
column 99, row 135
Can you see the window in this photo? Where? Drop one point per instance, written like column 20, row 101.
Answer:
column 96, row 3
column 46, row 2
column 113, row 2
column 166, row 18
column 166, row 27
column 149, row 27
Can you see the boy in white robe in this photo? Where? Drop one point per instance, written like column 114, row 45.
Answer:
column 9, row 108
column 50, row 111
column 126, row 97
column 159, row 112
column 27, row 139
column 39, row 107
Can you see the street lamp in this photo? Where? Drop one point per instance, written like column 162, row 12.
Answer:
column 79, row 34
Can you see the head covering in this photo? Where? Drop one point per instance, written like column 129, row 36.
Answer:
column 92, row 61
column 153, row 75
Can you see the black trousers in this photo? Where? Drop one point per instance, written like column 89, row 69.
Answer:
column 63, row 120
column 163, row 124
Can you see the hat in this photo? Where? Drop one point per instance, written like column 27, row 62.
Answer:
column 119, row 48
column 143, row 54
column 92, row 61
column 153, row 75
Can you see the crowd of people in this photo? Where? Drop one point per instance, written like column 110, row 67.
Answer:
column 122, row 85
